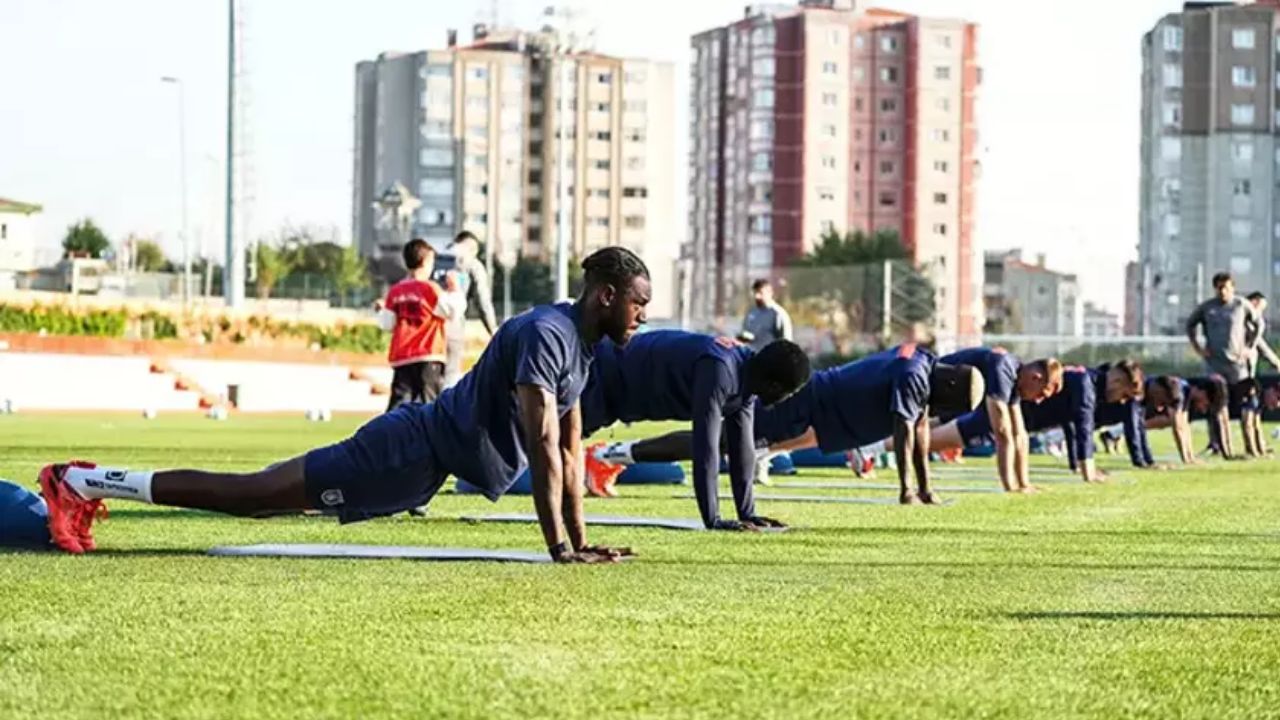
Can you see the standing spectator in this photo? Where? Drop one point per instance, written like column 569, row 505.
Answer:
column 1231, row 330
column 767, row 321
column 415, row 312
column 476, row 288
column 1260, row 347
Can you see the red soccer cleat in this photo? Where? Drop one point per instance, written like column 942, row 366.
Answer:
column 65, row 507
column 90, row 511
column 601, row 475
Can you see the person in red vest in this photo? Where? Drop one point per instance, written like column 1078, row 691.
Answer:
column 416, row 312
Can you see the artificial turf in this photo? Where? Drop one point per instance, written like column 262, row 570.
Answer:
column 1154, row 595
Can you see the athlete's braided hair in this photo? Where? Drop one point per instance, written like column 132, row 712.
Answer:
column 616, row 266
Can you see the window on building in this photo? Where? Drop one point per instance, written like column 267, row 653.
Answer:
column 435, row 187
column 887, row 136
column 859, row 41
column 1241, row 188
column 827, row 227
column 889, row 43
column 601, row 107
column 857, row 167
column 634, row 222
column 859, row 73
column 939, row 228
column 635, row 192
column 828, row 162
column 602, row 135
column 602, row 222
column 886, row 167
column 605, row 78
column 1244, row 76
column 1171, row 113
column 602, row 193
column 941, row 135
column 940, row 198
column 476, row 218
column 1242, row 38
column 435, row 157
column 940, row 166
column 1242, row 114
column 943, row 104
column 942, row 72
column 1171, row 148
column 633, row 106
column 826, row 193
column 4, row 231
column 479, row 72
column 829, row 99
column 762, row 162
column 764, row 98
column 1172, row 38
column 829, row 131
column 762, row 223
column 1172, row 75
column 888, row 105
column 600, row 164
column 857, row 104
column 761, row 129
column 888, row 198
column 764, row 67
column 835, row 36
column 1241, row 228
column 1242, row 150
column 830, row 68
column 1241, row 264
column 889, row 74
column 942, row 40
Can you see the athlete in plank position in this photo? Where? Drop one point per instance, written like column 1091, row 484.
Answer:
column 1009, row 383
column 676, row 375
column 887, row 394
column 521, row 397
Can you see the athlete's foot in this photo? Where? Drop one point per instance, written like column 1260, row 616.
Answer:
column 601, row 475
column 928, row 498
column 1028, row 490
column 420, row 511
column 66, row 509
column 862, row 465
column 908, row 498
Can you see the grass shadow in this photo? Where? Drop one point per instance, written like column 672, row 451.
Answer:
column 1117, row 615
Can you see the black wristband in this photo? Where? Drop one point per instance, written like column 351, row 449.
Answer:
column 558, row 550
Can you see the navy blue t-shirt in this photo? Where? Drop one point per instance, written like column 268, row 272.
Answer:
column 858, row 403
column 475, row 426
column 677, row 375
column 1073, row 410
column 1131, row 414
column 999, row 370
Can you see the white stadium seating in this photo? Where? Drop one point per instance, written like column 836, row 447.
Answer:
column 39, row 381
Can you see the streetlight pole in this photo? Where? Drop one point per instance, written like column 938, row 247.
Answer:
column 182, row 183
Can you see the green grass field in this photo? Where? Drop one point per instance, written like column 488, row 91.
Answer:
column 1155, row 595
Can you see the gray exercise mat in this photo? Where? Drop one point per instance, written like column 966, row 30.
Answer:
column 610, row 520
column 829, row 499
column 380, row 552
column 837, row 485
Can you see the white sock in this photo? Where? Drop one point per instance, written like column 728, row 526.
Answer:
column 618, row 453
column 874, row 448
column 98, row 483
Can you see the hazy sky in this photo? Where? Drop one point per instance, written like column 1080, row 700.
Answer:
column 87, row 128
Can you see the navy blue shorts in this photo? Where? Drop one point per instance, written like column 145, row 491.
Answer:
column 385, row 468
column 975, row 428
